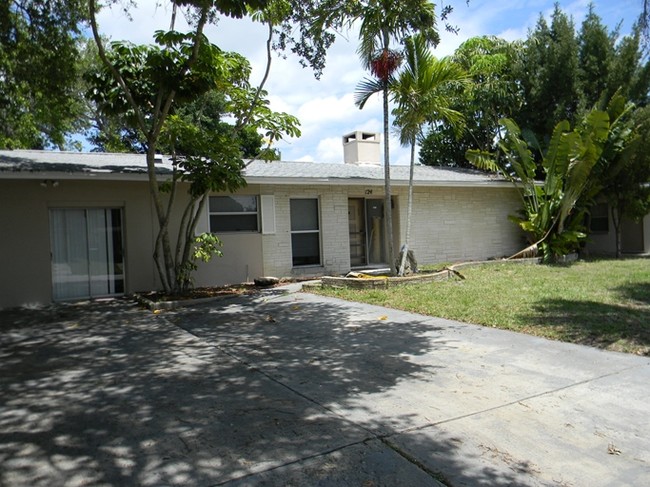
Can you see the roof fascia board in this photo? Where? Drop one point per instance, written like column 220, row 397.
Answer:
column 370, row 182
column 78, row 176
column 142, row 177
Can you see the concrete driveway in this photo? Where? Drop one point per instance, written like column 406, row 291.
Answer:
column 296, row 389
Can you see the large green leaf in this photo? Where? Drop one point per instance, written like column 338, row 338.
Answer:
column 482, row 160
column 517, row 152
column 556, row 158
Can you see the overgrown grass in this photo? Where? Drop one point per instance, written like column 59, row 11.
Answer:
column 603, row 303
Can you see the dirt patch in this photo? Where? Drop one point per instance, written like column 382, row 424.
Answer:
column 385, row 281
column 158, row 300
column 371, row 281
column 203, row 292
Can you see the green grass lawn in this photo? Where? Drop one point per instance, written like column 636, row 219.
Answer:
column 602, row 303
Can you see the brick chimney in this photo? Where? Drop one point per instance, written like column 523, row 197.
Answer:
column 362, row 148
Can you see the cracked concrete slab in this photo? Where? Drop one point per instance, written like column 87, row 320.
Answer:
column 297, row 389
column 370, row 463
column 125, row 398
column 594, row 433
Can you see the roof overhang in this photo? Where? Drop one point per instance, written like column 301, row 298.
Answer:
column 258, row 180
column 78, row 176
column 373, row 182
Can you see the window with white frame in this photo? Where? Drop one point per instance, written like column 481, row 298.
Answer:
column 599, row 218
column 237, row 213
column 305, row 232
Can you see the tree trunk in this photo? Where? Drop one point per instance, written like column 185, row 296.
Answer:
column 616, row 219
column 409, row 212
column 195, row 210
column 164, row 262
column 388, row 211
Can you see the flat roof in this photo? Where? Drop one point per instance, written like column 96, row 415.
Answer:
column 32, row 164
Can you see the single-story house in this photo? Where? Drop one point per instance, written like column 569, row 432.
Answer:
column 80, row 225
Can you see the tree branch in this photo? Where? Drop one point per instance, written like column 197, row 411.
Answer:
column 269, row 47
column 162, row 116
column 92, row 5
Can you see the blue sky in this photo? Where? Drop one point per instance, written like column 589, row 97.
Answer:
column 325, row 107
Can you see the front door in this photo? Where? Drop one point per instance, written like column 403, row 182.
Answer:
column 376, row 231
column 357, row 221
column 367, row 232
column 87, row 257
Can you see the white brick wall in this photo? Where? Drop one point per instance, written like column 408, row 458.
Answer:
column 335, row 254
column 452, row 224
column 449, row 224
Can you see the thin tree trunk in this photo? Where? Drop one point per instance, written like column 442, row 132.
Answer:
column 269, row 58
column 183, row 241
column 616, row 219
column 195, row 211
column 172, row 24
column 409, row 212
column 388, row 213
column 162, row 240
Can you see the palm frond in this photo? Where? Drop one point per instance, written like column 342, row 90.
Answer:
column 365, row 89
column 419, row 90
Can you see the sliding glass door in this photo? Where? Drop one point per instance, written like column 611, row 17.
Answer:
column 87, row 256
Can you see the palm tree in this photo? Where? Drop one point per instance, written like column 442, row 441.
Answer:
column 420, row 93
column 384, row 24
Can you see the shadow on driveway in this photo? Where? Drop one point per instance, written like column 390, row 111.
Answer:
column 299, row 389
column 110, row 394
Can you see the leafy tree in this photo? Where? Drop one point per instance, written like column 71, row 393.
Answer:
column 644, row 21
column 549, row 76
column 149, row 86
column 557, row 74
column 493, row 94
column 629, row 191
column 566, row 164
column 420, row 94
column 629, row 73
column 105, row 132
column 207, row 112
column 39, row 43
column 622, row 176
column 311, row 26
column 595, row 55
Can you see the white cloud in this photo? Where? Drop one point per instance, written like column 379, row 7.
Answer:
column 137, row 24
column 330, row 150
column 514, row 34
column 330, row 108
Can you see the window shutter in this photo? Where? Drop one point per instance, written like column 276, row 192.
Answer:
column 268, row 213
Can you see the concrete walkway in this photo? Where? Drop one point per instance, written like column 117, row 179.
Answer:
column 296, row 389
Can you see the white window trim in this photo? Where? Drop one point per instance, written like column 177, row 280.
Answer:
column 318, row 231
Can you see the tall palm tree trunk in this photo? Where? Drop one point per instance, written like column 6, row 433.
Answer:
column 409, row 213
column 388, row 211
